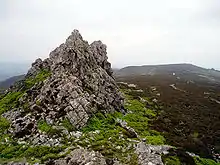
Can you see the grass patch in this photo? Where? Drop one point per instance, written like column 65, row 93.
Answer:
column 101, row 122
column 203, row 161
column 10, row 101
column 139, row 119
column 103, row 134
column 155, row 140
column 4, row 125
column 31, row 153
column 67, row 124
column 111, row 140
column 41, row 76
column 47, row 128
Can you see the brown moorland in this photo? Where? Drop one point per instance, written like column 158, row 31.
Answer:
column 190, row 114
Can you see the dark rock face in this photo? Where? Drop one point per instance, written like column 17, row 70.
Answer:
column 80, row 84
column 23, row 126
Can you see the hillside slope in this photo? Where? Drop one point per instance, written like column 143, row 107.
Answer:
column 68, row 110
column 186, row 71
column 190, row 99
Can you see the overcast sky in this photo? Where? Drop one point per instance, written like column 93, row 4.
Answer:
column 136, row 32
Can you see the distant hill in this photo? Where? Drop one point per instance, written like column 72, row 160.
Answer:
column 10, row 81
column 185, row 71
column 189, row 97
column 10, row 69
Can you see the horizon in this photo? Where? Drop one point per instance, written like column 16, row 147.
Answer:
column 155, row 32
column 28, row 64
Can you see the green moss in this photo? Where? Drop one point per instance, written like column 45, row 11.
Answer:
column 138, row 123
column 12, row 151
column 203, row 161
column 137, row 106
column 41, row 76
column 10, row 101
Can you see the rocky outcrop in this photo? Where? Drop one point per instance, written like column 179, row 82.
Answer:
column 147, row 155
column 131, row 132
column 81, row 157
column 80, row 84
column 150, row 154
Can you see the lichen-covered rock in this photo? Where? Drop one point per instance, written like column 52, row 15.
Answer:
column 150, row 154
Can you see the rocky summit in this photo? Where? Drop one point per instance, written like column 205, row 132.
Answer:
column 79, row 84
column 68, row 110
column 71, row 85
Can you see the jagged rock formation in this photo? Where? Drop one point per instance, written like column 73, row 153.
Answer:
column 80, row 84
column 81, row 81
